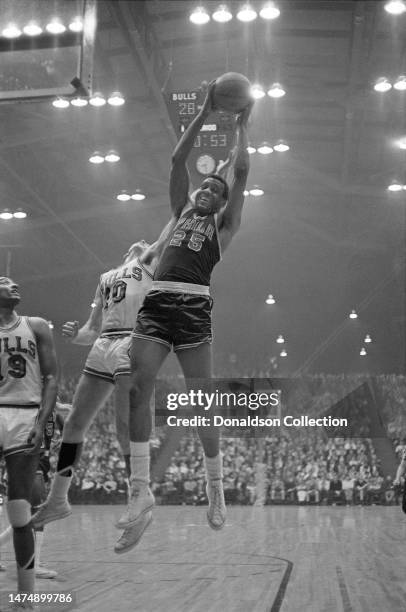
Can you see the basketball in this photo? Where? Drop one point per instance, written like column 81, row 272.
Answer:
column 232, row 92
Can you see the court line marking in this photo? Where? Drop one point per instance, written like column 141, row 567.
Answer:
column 345, row 597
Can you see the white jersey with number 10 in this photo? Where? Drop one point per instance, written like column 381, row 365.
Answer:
column 122, row 292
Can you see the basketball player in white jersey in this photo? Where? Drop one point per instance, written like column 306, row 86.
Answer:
column 118, row 297
column 27, row 398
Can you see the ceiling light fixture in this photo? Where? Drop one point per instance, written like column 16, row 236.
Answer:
column 353, row 315
column 395, row 186
column 79, row 102
column 382, row 85
column 257, row 92
column 11, row 31
column 395, row 7
column 96, row 158
column 138, row 195
column 116, row 99
column 76, row 25
column 112, row 157
column 281, row 146
column 276, row 91
column 251, row 149
column 32, row 29
column 55, row 27
column 60, row 103
column 222, row 14
column 265, row 149
column 246, row 13
column 123, row 196
column 97, row 99
column 199, row 16
column 19, row 214
column 269, row 11
column 400, row 84
column 256, row 191
column 270, row 299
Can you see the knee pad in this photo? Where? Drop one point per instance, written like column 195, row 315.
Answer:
column 19, row 512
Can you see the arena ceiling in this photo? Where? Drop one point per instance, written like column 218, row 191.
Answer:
column 325, row 238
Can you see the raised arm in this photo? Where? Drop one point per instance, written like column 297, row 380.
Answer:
column 179, row 177
column 48, row 367
column 88, row 333
column 230, row 218
column 151, row 255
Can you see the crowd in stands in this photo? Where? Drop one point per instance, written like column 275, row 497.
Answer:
column 291, row 465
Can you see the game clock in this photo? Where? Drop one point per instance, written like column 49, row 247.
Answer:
column 205, row 164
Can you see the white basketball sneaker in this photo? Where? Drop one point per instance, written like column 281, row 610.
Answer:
column 216, row 513
column 141, row 501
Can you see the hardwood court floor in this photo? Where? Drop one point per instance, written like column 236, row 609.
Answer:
column 287, row 559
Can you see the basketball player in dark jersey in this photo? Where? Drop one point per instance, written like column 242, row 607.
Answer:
column 177, row 311
column 27, row 397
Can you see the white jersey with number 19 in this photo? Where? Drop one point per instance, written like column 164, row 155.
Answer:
column 20, row 372
column 122, row 292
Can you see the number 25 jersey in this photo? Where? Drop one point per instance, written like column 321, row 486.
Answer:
column 122, row 291
column 20, row 372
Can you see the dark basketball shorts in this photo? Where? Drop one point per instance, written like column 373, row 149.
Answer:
column 175, row 319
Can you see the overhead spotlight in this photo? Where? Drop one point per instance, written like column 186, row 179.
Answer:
column 256, row 191
column 93, row 305
column 280, row 339
column 60, row 103
column 270, row 299
column 123, row 196
column 50, row 325
column 115, row 99
column 76, row 25
column 138, row 195
column 283, row 353
column 55, row 27
column 96, row 158
column 363, row 351
column 79, row 101
column 246, row 192
column 247, row 13
column 269, row 11
column 402, row 143
column 112, row 157
column 276, row 91
column 222, row 14
column 257, row 92
column 395, row 7
column 400, row 84
column 353, row 315
column 32, row 29
column 395, row 186
column 6, row 215
column 281, row 146
column 265, row 149
column 11, row 31
column 368, row 339
column 19, row 214
column 97, row 99
column 382, row 85
column 251, row 149
column 199, row 16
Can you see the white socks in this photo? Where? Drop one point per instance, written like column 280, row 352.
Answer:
column 60, row 487
column 214, row 467
column 140, row 463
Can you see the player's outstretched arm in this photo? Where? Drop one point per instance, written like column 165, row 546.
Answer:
column 230, row 218
column 179, row 177
column 48, row 367
column 153, row 252
column 90, row 331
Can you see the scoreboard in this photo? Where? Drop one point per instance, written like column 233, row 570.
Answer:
column 215, row 139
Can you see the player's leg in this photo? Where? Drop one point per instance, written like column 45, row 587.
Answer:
column 146, row 357
column 38, row 497
column 90, row 395
column 21, row 470
column 196, row 363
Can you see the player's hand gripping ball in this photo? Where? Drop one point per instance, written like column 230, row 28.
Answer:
column 232, row 92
